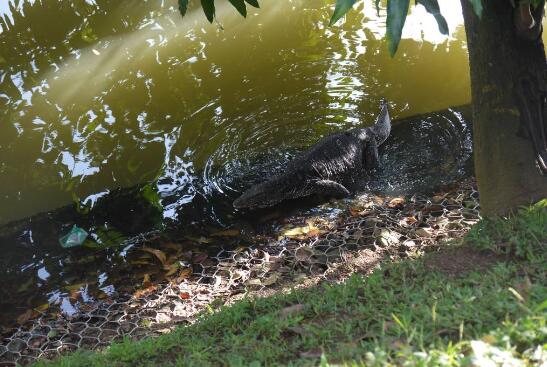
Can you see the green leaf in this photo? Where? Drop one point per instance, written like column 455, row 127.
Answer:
column 341, row 8
column 432, row 7
column 396, row 17
column 477, row 7
column 209, row 9
column 253, row 3
column 240, row 6
column 150, row 194
column 183, row 7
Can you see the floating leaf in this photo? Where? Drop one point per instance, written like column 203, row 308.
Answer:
column 26, row 285
column 240, row 6
column 396, row 17
column 105, row 238
column 341, row 8
column 432, row 7
column 23, row 318
column 88, row 35
column 477, row 7
column 150, row 193
column 183, row 7
column 209, row 9
column 75, row 287
column 253, row 3
column 157, row 253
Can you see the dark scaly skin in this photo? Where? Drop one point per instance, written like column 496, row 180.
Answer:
column 325, row 168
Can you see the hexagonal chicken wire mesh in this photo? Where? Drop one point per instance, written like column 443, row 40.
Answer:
column 394, row 227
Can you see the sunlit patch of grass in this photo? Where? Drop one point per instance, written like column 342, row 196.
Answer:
column 522, row 235
column 402, row 314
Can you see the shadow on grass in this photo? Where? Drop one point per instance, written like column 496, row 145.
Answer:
column 409, row 312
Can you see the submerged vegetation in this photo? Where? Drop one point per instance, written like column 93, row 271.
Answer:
column 412, row 312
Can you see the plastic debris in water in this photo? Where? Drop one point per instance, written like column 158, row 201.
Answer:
column 75, row 237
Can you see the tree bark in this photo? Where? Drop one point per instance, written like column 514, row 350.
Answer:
column 506, row 158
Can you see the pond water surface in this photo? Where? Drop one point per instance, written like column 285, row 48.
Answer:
column 123, row 118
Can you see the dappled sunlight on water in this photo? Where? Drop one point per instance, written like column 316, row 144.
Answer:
column 120, row 100
column 122, row 118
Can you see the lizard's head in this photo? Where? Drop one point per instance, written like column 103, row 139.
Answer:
column 382, row 127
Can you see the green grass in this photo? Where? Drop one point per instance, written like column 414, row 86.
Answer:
column 403, row 314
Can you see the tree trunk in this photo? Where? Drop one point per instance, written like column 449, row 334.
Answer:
column 506, row 159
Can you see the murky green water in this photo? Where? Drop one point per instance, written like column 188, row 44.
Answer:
column 103, row 94
column 98, row 95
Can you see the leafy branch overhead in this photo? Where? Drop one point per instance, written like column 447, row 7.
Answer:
column 397, row 11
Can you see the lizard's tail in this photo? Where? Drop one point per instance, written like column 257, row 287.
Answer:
column 262, row 195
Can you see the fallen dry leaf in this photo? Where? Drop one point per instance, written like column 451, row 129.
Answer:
column 253, row 282
column 292, row 310
column 396, row 203
column 144, row 292
column 377, row 200
column 433, row 208
column 226, row 233
column 199, row 258
column 42, row 308
column 438, row 198
column 171, row 245
column 423, row 232
column 297, row 330
column 312, row 353
column 302, row 233
column 184, row 295
column 303, row 253
column 172, row 269
column 184, row 274
column 146, row 281
column 272, row 279
column 199, row 239
column 408, row 221
column 140, row 262
column 157, row 253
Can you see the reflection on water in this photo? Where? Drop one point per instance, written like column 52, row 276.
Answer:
column 121, row 93
column 121, row 118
